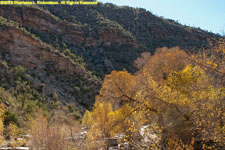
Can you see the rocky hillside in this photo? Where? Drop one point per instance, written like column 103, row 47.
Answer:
column 145, row 32
column 45, row 67
column 67, row 49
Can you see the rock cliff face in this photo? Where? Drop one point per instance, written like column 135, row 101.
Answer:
column 46, row 66
column 95, row 40
column 146, row 30
column 23, row 50
column 41, row 21
column 37, row 20
column 152, row 31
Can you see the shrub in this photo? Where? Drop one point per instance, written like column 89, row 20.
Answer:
column 10, row 118
column 46, row 136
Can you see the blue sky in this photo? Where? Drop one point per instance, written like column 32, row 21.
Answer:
column 206, row 14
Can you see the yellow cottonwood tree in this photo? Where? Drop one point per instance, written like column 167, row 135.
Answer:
column 115, row 86
column 186, row 105
column 100, row 127
column 87, row 119
column 13, row 132
column 2, row 139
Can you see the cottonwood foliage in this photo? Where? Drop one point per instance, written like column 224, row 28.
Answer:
column 178, row 96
